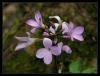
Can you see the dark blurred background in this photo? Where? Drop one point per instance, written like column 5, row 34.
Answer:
column 24, row 61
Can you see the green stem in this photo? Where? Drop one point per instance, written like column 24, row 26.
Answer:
column 56, row 68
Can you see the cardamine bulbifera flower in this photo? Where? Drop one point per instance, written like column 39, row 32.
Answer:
column 51, row 35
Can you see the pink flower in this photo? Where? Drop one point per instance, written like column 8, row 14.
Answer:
column 72, row 32
column 37, row 23
column 49, row 50
column 45, row 34
column 25, row 41
column 67, row 49
column 46, row 53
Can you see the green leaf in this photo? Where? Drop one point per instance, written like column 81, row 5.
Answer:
column 75, row 66
column 89, row 70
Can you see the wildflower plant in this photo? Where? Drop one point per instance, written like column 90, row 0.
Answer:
column 51, row 37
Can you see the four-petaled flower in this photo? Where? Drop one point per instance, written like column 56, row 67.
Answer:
column 25, row 41
column 46, row 53
column 37, row 23
column 72, row 32
column 49, row 50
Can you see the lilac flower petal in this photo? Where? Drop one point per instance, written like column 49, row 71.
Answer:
column 48, row 57
column 78, row 37
column 45, row 34
column 33, row 30
column 22, row 38
column 65, row 36
column 71, row 25
column 60, row 45
column 32, row 23
column 38, row 17
column 52, row 30
column 41, row 53
column 55, row 50
column 78, row 30
column 47, row 42
column 65, row 27
column 67, row 49
column 20, row 46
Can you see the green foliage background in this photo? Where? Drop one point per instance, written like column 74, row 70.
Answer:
column 84, row 56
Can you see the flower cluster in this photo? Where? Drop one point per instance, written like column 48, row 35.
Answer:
column 51, row 35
